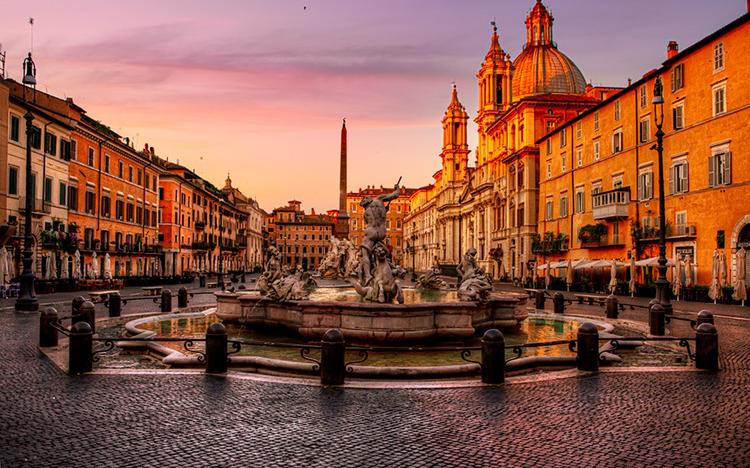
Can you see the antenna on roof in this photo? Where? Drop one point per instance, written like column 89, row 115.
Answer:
column 31, row 27
column 2, row 61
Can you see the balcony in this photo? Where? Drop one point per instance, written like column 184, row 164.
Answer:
column 611, row 204
column 603, row 242
column 39, row 208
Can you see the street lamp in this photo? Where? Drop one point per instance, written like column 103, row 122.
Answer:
column 27, row 300
column 662, row 285
column 412, row 249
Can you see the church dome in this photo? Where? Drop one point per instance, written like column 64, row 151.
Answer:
column 541, row 68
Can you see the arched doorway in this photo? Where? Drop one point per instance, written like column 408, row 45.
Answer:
column 743, row 242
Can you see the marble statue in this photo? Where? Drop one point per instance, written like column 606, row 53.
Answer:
column 329, row 266
column 474, row 284
column 295, row 287
column 375, row 214
column 431, row 279
column 382, row 286
column 468, row 266
column 272, row 270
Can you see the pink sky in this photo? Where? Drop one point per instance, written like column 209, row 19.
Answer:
column 258, row 88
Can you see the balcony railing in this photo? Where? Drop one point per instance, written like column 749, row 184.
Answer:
column 611, row 204
column 684, row 230
column 604, row 241
column 39, row 206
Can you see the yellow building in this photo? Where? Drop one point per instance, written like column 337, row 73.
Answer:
column 599, row 183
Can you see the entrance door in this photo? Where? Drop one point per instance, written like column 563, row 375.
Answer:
column 743, row 242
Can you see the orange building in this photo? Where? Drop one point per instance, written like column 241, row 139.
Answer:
column 303, row 239
column 112, row 200
column 599, row 185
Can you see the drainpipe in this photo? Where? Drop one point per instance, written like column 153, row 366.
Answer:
column 637, row 162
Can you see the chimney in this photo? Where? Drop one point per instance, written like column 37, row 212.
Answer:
column 673, row 48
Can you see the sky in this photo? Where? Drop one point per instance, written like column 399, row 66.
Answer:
column 258, row 88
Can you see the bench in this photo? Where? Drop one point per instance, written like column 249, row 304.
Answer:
column 100, row 296
column 152, row 290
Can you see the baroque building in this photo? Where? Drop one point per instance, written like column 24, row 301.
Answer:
column 492, row 205
column 302, row 239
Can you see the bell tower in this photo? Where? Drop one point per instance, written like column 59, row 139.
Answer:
column 539, row 26
column 455, row 149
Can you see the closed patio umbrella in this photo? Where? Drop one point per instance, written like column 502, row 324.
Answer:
column 713, row 292
column 77, row 265
column 52, row 267
column 547, row 277
column 64, row 266
column 613, row 277
column 740, row 276
column 722, row 269
column 631, row 285
column 688, row 271
column 569, row 274
column 677, row 280
column 107, row 267
column 94, row 266
column 4, row 267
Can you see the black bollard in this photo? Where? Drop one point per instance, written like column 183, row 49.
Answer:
column 75, row 309
column 588, row 347
column 182, row 297
column 114, row 304
column 493, row 357
column 558, row 300
column 332, row 366
column 47, row 333
column 166, row 300
column 216, row 349
column 88, row 314
column 539, row 304
column 706, row 347
column 612, row 307
column 202, row 281
column 80, row 359
column 705, row 316
column 656, row 320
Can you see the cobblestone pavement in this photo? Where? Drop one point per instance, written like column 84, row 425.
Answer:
column 613, row 419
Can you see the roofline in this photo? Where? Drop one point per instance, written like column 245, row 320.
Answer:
column 719, row 32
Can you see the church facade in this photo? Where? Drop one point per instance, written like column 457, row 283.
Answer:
column 493, row 205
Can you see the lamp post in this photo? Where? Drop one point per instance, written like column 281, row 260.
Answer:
column 413, row 252
column 662, row 285
column 27, row 300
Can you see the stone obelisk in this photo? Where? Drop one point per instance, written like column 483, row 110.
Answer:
column 342, row 221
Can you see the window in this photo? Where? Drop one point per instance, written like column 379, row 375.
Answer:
column 579, row 130
column 89, row 202
column 644, row 96
column 579, row 156
column 596, row 187
column 105, row 209
column 617, row 111
column 550, row 126
column 73, row 197
column 47, row 189
column 596, row 150
column 563, row 165
column 562, row 138
column 617, row 141
column 15, row 126
column 678, row 116
column 90, row 161
column 678, row 177
column 580, row 202
column 119, row 209
column 719, row 94
column 676, row 78
column 720, row 169
column 681, row 221
column 140, row 176
column 719, row 56
column 50, row 144
column 12, row 180
column 161, row 193
column 646, row 185
column 106, row 163
column 36, row 137
column 105, row 241
column 63, row 193
column 563, row 205
column 644, row 130
column 549, row 169
column 520, row 212
column 548, row 208
column 130, row 173
column 596, row 121
column 549, row 145
column 129, row 212
column 65, row 150
column 617, row 182
column 120, row 169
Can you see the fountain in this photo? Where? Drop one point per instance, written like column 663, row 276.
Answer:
column 381, row 310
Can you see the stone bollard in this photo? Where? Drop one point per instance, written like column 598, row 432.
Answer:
column 182, row 297
column 332, row 367
column 493, row 357
column 47, row 333
column 202, row 281
column 588, row 347
column 75, row 309
column 705, row 316
column 88, row 314
column 656, row 320
column 166, row 300
column 612, row 307
column 558, row 300
column 216, row 349
column 80, row 359
column 706, row 347
column 539, row 300
column 114, row 304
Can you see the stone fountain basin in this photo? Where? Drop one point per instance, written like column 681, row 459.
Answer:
column 374, row 322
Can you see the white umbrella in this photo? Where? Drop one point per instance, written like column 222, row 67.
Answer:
column 722, row 269
column 547, row 278
column 688, row 272
column 52, row 267
column 94, row 266
column 140, row 267
column 11, row 266
column 740, row 291
column 107, row 267
column 631, row 285
column 713, row 292
column 677, row 280
column 4, row 267
column 77, row 265
column 613, row 277
column 64, row 266
column 569, row 274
